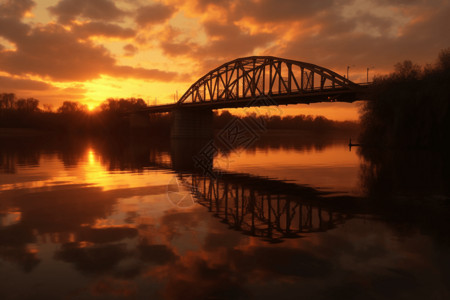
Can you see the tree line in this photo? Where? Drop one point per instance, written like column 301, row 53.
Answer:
column 70, row 117
column 112, row 116
column 405, row 133
column 410, row 107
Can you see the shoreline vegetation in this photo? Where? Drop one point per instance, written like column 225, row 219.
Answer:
column 405, row 133
column 409, row 108
column 23, row 117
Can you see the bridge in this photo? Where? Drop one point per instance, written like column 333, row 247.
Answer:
column 253, row 82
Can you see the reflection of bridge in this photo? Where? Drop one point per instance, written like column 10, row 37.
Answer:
column 259, row 206
column 267, row 208
column 255, row 81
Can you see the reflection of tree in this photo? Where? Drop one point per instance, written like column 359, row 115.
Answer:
column 409, row 187
column 13, row 152
column 407, row 124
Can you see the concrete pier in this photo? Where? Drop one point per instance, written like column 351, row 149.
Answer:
column 192, row 124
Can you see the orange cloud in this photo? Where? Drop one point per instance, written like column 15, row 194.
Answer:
column 53, row 52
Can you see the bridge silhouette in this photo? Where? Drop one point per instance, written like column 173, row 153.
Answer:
column 253, row 82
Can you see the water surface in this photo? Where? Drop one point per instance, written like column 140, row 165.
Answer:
column 282, row 219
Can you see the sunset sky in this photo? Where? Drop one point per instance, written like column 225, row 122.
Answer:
column 90, row 50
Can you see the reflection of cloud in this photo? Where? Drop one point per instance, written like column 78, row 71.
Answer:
column 282, row 262
column 113, row 287
column 95, row 259
column 158, row 254
column 22, row 256
column 105, row 235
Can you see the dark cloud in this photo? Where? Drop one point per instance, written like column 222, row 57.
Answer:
column 227, row 41
column 104, row 10
column 336, row 46
column 54, row 52
column 10, row 83
column 130, row 50
column 15, row 8
column 103, row 29
column 13, row 29
column 203, row 5
column 280, row 11
column 264, row 11
column 154, row 14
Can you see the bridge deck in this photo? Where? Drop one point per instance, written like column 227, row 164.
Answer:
column 331, row 95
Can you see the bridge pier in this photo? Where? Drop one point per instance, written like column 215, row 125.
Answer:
column 185, row 155
column 192, row 124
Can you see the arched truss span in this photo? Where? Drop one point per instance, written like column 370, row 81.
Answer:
column 250, row 77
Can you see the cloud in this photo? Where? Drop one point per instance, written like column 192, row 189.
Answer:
column 280, row 11
column 262, row 11
column 10, row 83
column 336, row 45
column 130, row 50
column 15, row 8
column 103, row 29
column 104, row 10
column 154, row 14
column 225, row 42
column 13, row 29
column 53, row 52
column 127, row 71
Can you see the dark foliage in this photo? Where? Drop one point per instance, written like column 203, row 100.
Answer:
column 113, row 117
column 405, row 131
column 410, row 107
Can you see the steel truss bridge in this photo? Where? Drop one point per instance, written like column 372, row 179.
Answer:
column 265, row 81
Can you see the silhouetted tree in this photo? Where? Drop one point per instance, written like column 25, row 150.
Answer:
column 444, row 59
column 122, row 105
column 7, row 101
column 69, row 107
column 27, row 105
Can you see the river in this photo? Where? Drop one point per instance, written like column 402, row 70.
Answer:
column 283, row 218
